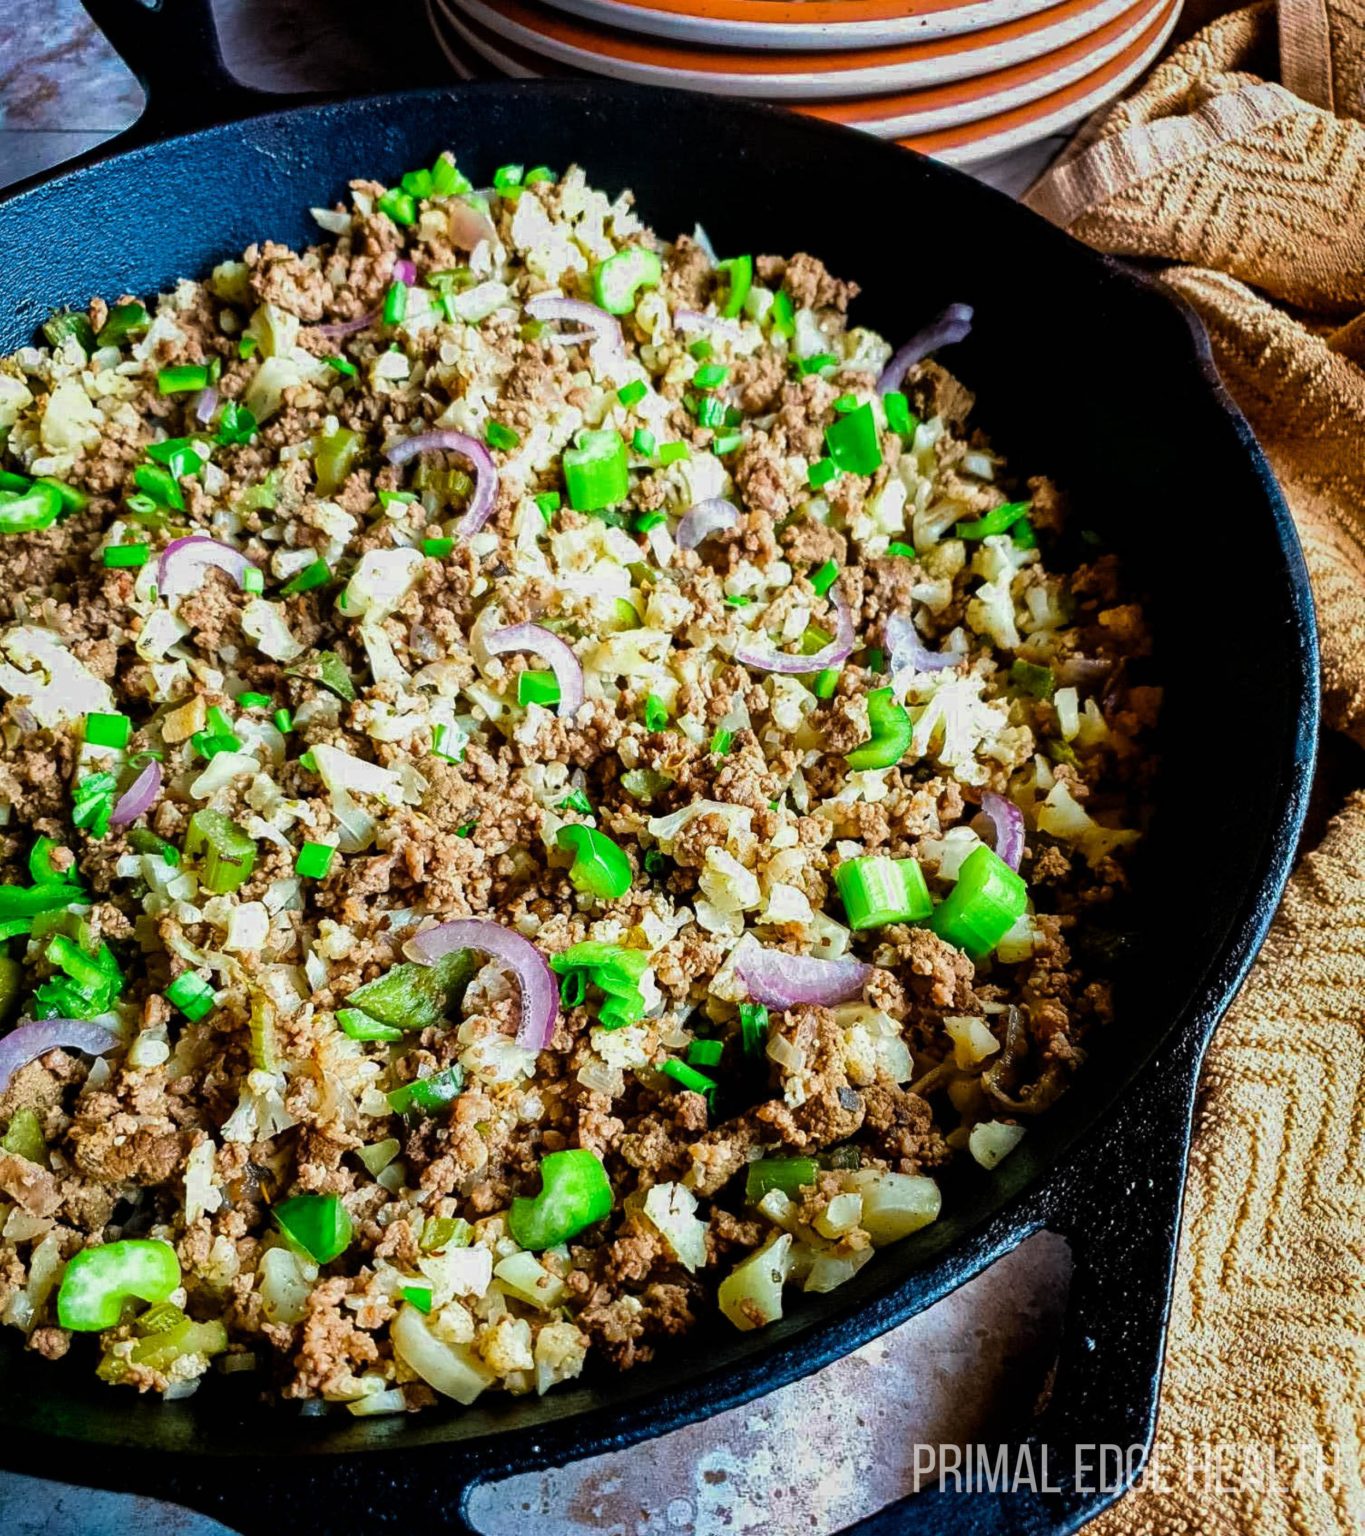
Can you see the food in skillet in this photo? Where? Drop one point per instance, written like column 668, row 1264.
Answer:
column 550, row 785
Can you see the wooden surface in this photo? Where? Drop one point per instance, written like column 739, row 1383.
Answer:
column 809, row 1459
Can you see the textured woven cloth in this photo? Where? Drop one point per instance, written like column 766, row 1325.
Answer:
column 1239, row 169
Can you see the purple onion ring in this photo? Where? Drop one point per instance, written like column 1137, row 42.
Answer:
column 905, row 648
column 1008, row 821
column 339, row 328
column 780, row 980
column 539, row 994
column 27, row 1042
column 703, row 519
column 485, row 471
column 952, row 325
column 834, row 654
column 607, row 329
column 469, row 226
column 403, row 272
column 139, row 797
column 563, row 662
column 183, row 563
column 689, row 321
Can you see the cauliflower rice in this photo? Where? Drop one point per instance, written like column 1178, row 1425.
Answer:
column 238, row 781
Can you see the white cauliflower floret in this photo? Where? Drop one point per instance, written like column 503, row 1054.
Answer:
column 380, row 582
column 42, row 674
column 728, row 884
column 673, row 1211
column 960, row 721
column 560, row 1351
column 506, row 1345
column 70, row 421
column 1060, row 816
column 15, row 398
column 990, row 612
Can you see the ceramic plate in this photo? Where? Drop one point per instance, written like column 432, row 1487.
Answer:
column 788, row 76
column 988, row 95
column 1008, row 131
column 458, row 54
column 806, row 24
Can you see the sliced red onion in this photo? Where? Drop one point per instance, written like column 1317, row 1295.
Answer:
column 703, row 519
column 27, row 1042
column 485, row 471
column 139, row 797
column 952, row 325
column 470, row 226
column 563, row 662
column 539, row 995
column 1082, row 670
column 206, row 405
column 184, row 561
column 780, row 980
column 403, row 272
column 607, row 329
column 1008, row 821
column 834, row 654
column 906, row 649
column 690, row 321
column 349, row 327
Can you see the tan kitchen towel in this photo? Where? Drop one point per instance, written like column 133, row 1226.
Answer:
column 1238, row 169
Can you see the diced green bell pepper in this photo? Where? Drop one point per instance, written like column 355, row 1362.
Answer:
column 428, row 1095
column 412, row 997
column 600, row 868
column 28, row 511
column 852, row 441
column 891, row 733
column 319, row 1224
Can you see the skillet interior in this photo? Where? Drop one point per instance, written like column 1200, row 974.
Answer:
column 1081, row 372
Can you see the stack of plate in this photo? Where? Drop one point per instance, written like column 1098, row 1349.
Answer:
column 964, row 80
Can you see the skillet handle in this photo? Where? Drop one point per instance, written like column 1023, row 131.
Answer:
column 172, row 48
column 1119, row 1209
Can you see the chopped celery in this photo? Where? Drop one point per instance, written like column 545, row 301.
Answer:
column 879, row 890
column 987, row 901
column 335, row 459
column 159, row 1348
column 222, row 854
column 99, row 1281
column 575, row 1192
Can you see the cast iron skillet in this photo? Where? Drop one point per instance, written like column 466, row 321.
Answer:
column 1083, row 370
